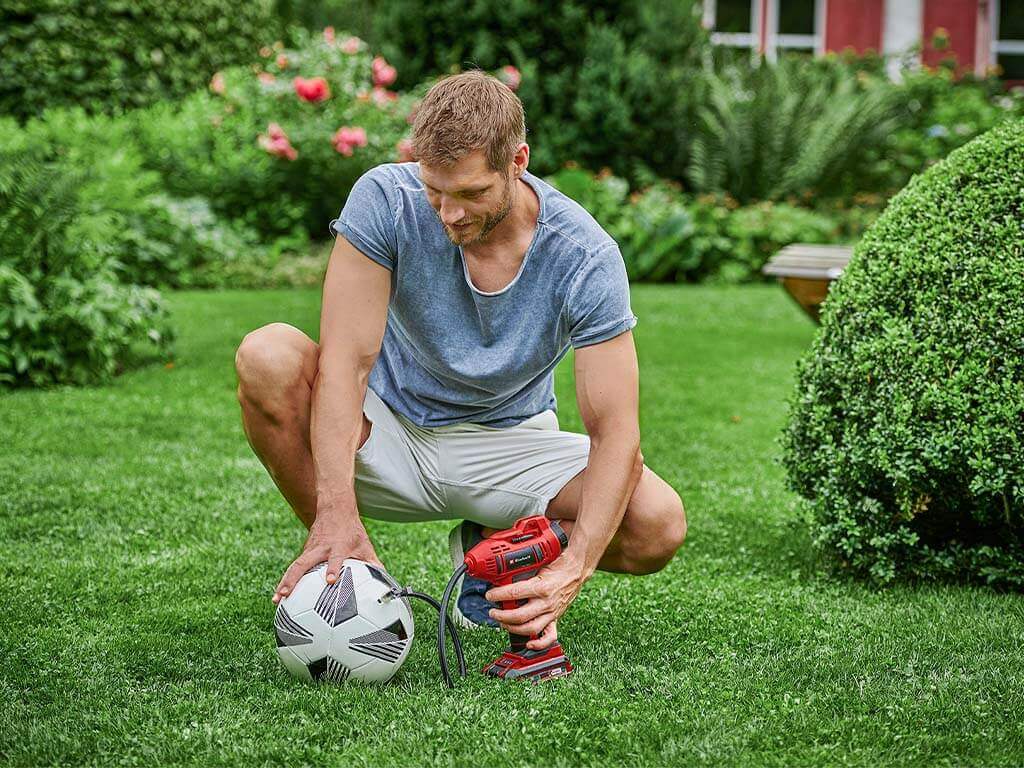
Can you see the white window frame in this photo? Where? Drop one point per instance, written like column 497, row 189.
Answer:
column 773, row 40
column 1013, row 47
column 733, row 39
column 815, row 42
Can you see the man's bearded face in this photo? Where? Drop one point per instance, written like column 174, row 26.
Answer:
column 474, row 197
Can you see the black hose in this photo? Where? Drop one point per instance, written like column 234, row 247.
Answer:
column 444, row 621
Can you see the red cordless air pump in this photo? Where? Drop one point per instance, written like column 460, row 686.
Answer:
column 515, row 554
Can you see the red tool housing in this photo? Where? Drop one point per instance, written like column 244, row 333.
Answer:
column 516, row 554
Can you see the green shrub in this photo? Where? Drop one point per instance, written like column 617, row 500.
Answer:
column 64, row 316
column 153, row 239
column 181, row 243
column 107, row 55
column 653, row 228
column 757, row 231
column 666, row 236
column 209, row 145
column 906, row 430
column 603, row 83
column 938, row 113
column 797, row 127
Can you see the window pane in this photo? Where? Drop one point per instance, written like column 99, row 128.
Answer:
column 1013, row 65
column 1011, row 20
column 796, row 17
column 732, row 16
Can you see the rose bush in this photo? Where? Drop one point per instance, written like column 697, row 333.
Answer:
column 278, row 145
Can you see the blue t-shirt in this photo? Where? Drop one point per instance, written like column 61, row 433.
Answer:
column 452, row 353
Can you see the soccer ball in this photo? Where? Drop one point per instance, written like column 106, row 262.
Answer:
column 352, row 629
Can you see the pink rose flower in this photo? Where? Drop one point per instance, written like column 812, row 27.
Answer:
column 347, row 137
column 351, row 45
column 276, row 142
column 382, row 96
column 383, row 73
column 510, row 76
column 404, row 147
column 329, row 35
column 217, row 84
column 314, row 89
column 282, row 61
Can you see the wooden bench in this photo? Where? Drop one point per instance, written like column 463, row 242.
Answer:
column 806, row 271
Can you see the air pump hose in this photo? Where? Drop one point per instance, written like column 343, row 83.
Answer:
column 443, row 622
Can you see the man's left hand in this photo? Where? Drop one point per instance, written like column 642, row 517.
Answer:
column 549, row 595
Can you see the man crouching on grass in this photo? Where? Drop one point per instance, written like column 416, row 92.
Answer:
column 455, row 286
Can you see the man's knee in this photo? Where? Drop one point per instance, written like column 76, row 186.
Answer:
column 654, row 533
column 272, row 362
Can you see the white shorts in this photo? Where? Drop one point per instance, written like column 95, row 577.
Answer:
column 490, row 475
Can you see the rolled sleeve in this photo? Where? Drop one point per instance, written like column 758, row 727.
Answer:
column 368, row 218
column 598, row 304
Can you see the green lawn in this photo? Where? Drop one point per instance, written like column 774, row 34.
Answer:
column 142, row 539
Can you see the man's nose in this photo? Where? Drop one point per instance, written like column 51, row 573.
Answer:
column 451, row 213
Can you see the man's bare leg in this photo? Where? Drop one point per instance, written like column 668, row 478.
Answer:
column 276, row 367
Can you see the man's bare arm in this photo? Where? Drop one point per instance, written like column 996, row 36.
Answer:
column 352, row 320
column 607, row 393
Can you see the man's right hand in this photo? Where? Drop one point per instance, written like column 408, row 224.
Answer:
column 332, row 538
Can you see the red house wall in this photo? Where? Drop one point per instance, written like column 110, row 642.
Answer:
column 960, row 19
column 854, row 24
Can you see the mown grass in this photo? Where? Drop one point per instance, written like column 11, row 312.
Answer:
column 141, row 541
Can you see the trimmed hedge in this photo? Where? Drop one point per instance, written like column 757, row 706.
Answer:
column 108, row 54
column 906, row 430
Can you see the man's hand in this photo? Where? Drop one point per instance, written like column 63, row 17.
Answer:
column 332, row 538
column 549, row 595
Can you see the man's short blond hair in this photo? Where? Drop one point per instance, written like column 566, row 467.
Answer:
column 466, row 112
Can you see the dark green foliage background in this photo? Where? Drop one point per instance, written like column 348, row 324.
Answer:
column 604, row 83
column 106, row 55
column 354, row 16
column 907, row 426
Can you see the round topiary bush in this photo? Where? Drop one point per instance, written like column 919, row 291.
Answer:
column 906, row 430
